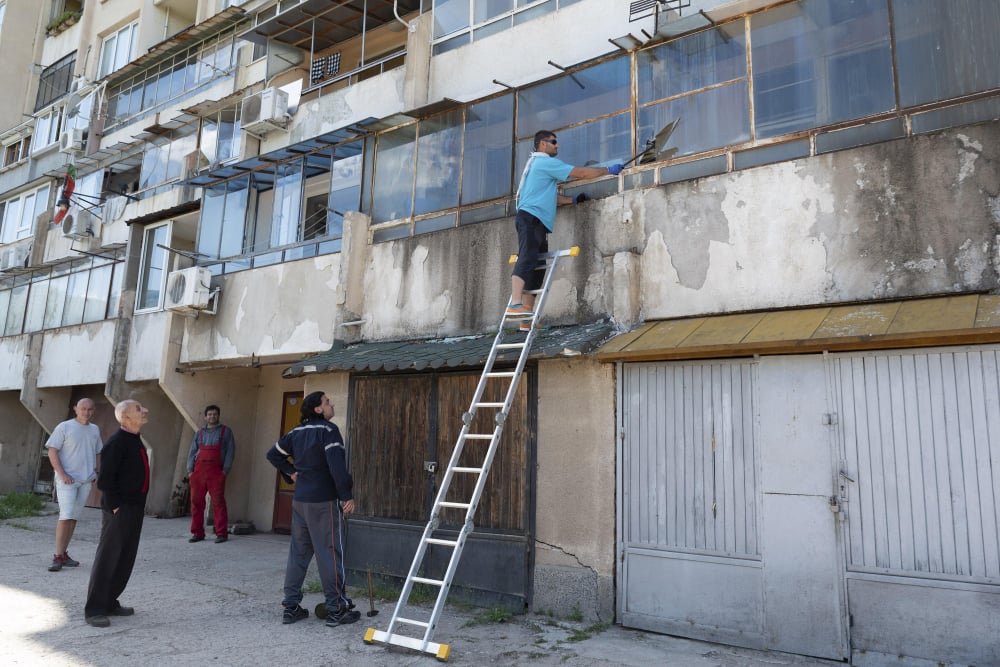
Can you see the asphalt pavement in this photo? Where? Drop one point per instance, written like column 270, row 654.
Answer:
column 220, row 604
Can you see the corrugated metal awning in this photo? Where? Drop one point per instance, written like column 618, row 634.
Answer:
column 955, row 320
column 319, row 24
column 464, row 351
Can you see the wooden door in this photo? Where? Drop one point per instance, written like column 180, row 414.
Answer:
column 281, row 520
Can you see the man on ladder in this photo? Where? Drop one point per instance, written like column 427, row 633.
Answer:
column 537, row 198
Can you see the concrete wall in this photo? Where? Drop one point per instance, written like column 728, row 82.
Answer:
column 12, row 358
column 20, row 38
column 575, row 511
column 76, row 355
column 21, row 440
column 147, row 337
column 285, row 309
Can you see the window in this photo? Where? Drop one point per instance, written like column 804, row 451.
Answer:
column 700, row 81
column 164, row 161
column 16, row 151
column 116, row 51
column 47, row 128
column 154, row 267
column 817, row 62
column 453, row 27
column 946, row 49
column 3, row 11
column 19, row 213
column 487, row 159
column 221, row 139
column 54, row 81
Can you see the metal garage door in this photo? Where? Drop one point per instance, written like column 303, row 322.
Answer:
column 919, row 437
column 723, row 538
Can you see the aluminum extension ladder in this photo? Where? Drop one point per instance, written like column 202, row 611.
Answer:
column 547, row 262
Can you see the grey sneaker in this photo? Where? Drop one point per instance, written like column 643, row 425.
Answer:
column 57, row 563
column 342, row 617
column 68, row 561
column 293, row 614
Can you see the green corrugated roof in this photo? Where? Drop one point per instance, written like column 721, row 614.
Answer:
column 458, row 352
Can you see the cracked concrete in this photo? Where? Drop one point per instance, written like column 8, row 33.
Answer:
column 210, row 603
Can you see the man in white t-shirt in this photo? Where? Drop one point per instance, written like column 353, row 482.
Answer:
column 75, row 453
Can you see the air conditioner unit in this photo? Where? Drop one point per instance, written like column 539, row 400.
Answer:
column 264, row 111
column 79, row 224
column 189, row 290
column 14, row 258
column 71, row 141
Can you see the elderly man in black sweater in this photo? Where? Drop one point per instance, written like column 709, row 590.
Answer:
column 321, row 499
column 124, row 479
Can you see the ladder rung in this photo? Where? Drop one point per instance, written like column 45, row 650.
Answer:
column 472, row 470
column 478, row 436
column 432, row 582
column 489, row 405
column 444, row 543
column 501, row 374
column 410, row 621
column 458, row 506
column 508, row 346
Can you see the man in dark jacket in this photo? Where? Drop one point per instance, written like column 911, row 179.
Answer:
column 321, row 499
column 124, row 479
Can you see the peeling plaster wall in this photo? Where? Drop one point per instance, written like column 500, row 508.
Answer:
column 12, row 358
column 76, row 355
column 906, row 218
column 21, row 440
column 146, row 337
column 575, row 513
column 284, row 309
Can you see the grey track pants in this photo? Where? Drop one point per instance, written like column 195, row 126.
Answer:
column 317, row 529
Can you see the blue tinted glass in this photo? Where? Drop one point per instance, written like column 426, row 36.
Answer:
column 449, row 16
column 690, row 63
column 710, row 119
column 818, row 62
column 569, row 99
column 439, row 152
column 486, row 163
column 394, row 161
column 946, row 49
column 213, row 201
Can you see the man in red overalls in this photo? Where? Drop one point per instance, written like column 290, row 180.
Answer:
column 208, row 463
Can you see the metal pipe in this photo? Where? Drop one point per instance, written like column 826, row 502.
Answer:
column 395, row 10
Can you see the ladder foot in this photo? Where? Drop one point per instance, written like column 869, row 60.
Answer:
column 443, row 652
column 370, row 636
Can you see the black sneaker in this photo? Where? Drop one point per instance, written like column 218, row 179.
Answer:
column 293, row 614
column 342, row 617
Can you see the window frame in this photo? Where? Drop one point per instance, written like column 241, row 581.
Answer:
column 133, row 29
column 148, row 253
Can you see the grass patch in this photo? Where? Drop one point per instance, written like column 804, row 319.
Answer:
column 421, row 593
column 19, row 524
column 313, row 587
column 576, row 615
column 17, row 504
column 587, row 632
column 495, row 615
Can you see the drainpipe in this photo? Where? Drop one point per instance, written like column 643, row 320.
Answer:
column 412, row 27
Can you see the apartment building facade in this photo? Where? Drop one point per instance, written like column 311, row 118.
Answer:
column 766, row 412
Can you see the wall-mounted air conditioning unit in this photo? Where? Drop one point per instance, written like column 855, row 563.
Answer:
column 71, row 141
column 79, row 224
column 14, row 258
column 264, row 111
column 190, row 291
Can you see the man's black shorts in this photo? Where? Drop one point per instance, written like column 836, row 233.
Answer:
column 532, row 240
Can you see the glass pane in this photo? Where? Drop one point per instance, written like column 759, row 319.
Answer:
column 449, row 16
column 154, row 268
column 600, row 142
column 97, row 293
column 35, row 319
column 229, row 134
column 487, row 9
column 572, row 99
column 123, row 49
column 213, row 200
column 4, row 302
column 438, row 162
column 234, row 220
column 76, row 298
column 819, row 62
column 535, row 12
column 11, row 220
column 287, row 204
column 116, row 290
column 154, row 166
column 394, row 175
column 108, row 55
column 177, row 149
column 56, row 302
column 710, row 119
column 15, row 310
column 946, row 49
column 690, row 63
column 486, row 163
column 345, row 191
column 210, row 138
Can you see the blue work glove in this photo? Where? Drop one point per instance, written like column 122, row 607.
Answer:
column 582, row 197
column 616, row 169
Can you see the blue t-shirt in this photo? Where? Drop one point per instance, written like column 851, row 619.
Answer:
column 538, row 194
